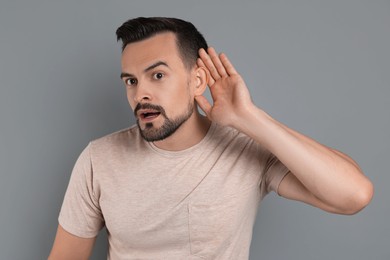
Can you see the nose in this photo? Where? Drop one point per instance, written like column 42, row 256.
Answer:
column 142, row 93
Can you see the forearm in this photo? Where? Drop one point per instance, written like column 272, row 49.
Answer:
column 331, row 176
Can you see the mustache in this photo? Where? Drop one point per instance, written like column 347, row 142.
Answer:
column 149, row 106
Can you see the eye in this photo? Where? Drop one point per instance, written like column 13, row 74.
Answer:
column 158, row 75
column 131, row 81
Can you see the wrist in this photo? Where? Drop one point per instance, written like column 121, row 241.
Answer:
column 249, row 119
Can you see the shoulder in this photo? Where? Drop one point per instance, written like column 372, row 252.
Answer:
column 229, row 137
column 234, row 138
column 126, row 133
column 231, row 134
column 117, row 141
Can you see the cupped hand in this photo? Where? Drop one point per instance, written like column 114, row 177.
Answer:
column 231, row 98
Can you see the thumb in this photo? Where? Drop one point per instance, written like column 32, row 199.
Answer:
column 204, row 104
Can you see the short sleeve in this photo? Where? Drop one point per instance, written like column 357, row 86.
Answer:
column 80, row 213
column 273, row 173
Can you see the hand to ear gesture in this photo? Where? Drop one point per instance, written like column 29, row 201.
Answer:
column 231, row 98
column 319, row 175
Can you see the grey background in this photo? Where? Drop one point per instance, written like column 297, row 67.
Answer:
column 321, row 67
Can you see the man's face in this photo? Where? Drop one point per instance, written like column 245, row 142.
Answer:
column 158, row 86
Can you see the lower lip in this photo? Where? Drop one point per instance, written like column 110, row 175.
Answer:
column 149, row 119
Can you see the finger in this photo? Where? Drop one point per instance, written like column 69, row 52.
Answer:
column 210, row 80
column 204, row 104
column 217, row 62
column 227, row 64
column 209, row 64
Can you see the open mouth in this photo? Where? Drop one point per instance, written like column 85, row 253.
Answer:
column 149, row 115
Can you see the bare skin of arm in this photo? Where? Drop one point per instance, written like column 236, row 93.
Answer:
column 319, row 175
column 70, row 247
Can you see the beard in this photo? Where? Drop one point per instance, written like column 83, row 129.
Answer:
column 151, row 134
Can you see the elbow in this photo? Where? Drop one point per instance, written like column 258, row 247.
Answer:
column 361, row 198
column 366, row 195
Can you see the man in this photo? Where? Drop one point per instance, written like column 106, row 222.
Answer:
column 180, row 185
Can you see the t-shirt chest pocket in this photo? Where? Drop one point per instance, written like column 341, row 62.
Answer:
column 211, row 228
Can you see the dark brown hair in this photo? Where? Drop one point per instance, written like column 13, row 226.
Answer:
column 188, row 39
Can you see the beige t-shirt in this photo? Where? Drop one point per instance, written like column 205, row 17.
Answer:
column 199, row 203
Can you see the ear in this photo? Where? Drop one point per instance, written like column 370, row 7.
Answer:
column 201, row 80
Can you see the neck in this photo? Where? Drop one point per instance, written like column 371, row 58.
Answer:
column 187, row 135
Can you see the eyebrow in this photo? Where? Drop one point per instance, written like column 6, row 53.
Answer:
column 154, row 65
column 158, row 63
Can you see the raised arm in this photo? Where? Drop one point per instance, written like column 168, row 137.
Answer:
column 319, row 175
column 70, row 247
